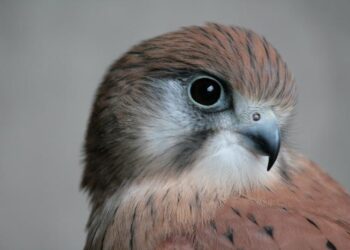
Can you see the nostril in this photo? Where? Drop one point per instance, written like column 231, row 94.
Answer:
column 256, row 116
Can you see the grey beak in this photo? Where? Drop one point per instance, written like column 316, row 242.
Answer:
column 264, row 136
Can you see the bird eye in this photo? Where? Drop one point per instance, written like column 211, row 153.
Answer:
column 205, row 92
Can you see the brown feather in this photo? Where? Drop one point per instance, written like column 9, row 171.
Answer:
column 310, row 212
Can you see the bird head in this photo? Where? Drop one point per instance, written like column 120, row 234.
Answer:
column 205, row 105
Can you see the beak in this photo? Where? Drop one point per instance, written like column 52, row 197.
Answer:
column 264, row 137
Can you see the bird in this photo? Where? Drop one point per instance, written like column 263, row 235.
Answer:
column 188, row 147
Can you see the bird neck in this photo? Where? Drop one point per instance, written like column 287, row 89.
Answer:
column 146, row 212
column 158, row 210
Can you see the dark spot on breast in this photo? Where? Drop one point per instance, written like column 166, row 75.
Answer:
column 236, row 211
column 330, row 245
column 213, row 225
column 229, row 235
column 312, row 222
column 268, row 230
column 251, row 217
column 284, row 208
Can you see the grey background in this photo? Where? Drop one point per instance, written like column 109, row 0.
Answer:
column 54, row 53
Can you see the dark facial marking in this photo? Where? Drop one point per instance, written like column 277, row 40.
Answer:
column 187, row 147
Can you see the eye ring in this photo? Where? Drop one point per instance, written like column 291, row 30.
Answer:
column 206, row 92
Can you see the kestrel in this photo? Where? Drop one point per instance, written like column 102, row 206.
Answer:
column 187, row 148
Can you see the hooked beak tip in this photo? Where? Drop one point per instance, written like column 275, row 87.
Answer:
column 272, row 160
column 266, row 140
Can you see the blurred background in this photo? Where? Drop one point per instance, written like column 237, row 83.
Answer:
column 54, row 54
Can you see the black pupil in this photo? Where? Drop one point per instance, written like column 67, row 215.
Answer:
column 205, row 91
